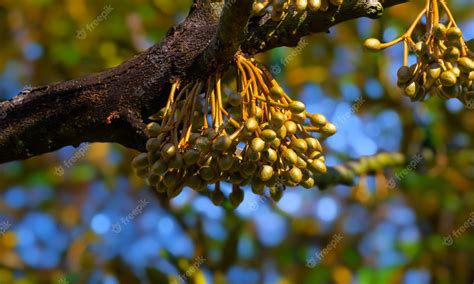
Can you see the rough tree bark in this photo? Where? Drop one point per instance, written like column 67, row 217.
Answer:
column 112, row 106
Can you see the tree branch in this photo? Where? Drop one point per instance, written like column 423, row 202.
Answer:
column 113, row 106
column 229, row 36
column 266, row 34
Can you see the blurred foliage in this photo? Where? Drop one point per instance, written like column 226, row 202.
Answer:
column 81, row 216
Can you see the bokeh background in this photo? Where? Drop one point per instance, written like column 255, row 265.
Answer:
column 81, row 216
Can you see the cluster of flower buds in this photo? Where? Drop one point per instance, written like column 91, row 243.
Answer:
column 255, row 136
column 445, row 65
column 279, row 8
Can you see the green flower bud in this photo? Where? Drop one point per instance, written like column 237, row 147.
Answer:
column 448, row 78
column 308, row 183
column 434, row 71
column 317, row 120
column 277, row 119
column 439, row 31
column 191, row 157
column 251, row 124
column 153, row 129
column 226, row 163
column 252, row 156
column 290, row 157
column 207, row 173
column 177, row 162
column 268, row 135
column 313, row 144
column 170, row 180
column 317, row 167
column 453, row 33
column 276, row 193
column 299, row 145
column 451, row 54
column 404, row 74
column 258, row 187
column 257, row 145
column 203, row 144
column 266, row 173
column 270, row 156
column 314, row 5
column 195, row 182
column 295, row 175
column 291, row 127
column 466, row 64
column 372, row 44
column 172, row 192
column 411, row 89
column 236, row 197
column 329, row 129
column 159, row 167
column 222, row 143
column 160, row 187
column 248, row 169
column 297, row 107
column 276, row 92
column 301, row 5
column 153, row 180
column 298, row 118
column 234, row 99
column 168, row 151
column 336, row 2
column 217, row 197
column 140, row 161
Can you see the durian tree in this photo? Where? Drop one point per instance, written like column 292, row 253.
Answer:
column 119, row 105
column 194, row 136
column 171, row 101
column 206, row 110
column 115, row 105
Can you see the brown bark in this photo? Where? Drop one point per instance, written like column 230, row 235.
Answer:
column 112, row 106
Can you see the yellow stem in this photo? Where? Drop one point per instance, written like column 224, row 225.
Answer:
column 231, row 120
column 273, row 103
column 219, row 100
column 435, row 12
column 407, row 34
column 257, row 72
column 453, row 22
column 405, row 53
column 206, row 103
column 213, row 109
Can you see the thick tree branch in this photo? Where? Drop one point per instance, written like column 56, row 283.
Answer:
column 266, row 34
column 230, row 34
column 113, row 106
